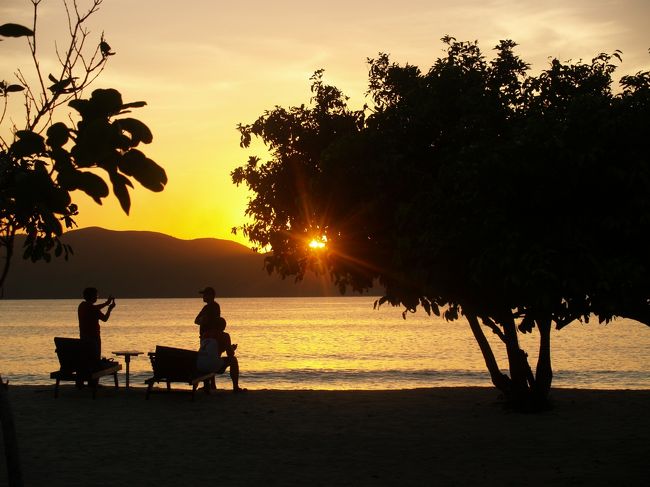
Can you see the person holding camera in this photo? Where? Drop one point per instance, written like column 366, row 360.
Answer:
column 90, row 314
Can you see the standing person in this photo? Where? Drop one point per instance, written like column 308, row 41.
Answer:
column 89, row 316
column 208, row 317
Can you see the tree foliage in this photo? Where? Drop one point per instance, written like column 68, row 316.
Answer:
column 471, row 189
column 44, row 162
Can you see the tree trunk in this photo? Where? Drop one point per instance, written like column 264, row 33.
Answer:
column 14, row 473
column 518, row 363
column 500, row 380
column 8, row 244
column 544, row 371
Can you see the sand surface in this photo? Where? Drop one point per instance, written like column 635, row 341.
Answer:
column 441, row 437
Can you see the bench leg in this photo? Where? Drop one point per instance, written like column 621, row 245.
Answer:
column 149, row 387
column 56, row 389
column 169, row 386
column 115, row 377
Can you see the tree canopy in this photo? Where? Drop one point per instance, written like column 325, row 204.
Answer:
column 43, row 162
column 473, row 188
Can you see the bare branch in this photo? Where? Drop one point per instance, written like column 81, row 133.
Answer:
column 32, row 47
column 76, row 70
column 4, row 109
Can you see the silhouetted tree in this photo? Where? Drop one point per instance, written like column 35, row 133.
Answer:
column 43, row 162
column 472, row 189
column 47, row 159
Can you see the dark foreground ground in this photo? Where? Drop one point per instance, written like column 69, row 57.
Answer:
column 441, row 436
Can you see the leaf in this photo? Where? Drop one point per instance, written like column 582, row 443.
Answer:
column 92, row 185
column 138, row 130
column 106, row 102
column 14, row 88
column 57, row 135
column 52, row 223
column 144, row 170
column 70, row 223
column 426, row 305
column 29, row 143
column 380, row 301
column 105, row 49
column 527, row 324
column 121, row 192
column 134, row 104
column 15, row 30
column 60, row 86
column 82, row 106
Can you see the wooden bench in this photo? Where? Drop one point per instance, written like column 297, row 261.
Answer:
column 176, row 365
column 76, row 366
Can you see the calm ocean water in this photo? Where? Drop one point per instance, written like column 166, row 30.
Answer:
column 321, row 343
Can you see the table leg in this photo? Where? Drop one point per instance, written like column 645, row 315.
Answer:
column 127, row 359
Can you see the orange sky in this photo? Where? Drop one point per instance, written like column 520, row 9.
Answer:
column 205, row 65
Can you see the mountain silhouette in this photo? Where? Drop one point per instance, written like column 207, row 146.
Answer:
column 139, row 264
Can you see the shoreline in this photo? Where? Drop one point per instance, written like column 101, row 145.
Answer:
column 434, row 436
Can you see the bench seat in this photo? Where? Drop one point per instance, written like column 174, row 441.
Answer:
column 171, row 364
column 75, row 366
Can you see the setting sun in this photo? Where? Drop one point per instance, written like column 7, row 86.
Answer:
column 318, row 243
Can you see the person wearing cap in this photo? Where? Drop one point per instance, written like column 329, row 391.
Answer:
column 208, row 317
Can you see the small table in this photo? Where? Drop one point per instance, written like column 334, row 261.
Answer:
column 127, row 358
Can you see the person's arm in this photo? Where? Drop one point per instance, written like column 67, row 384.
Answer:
column 106, row 316
column 199, row 318
column 228, row 347
column 110, row 300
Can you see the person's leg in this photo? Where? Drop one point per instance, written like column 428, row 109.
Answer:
column 96, row 359
column 233, row 363
column 89, row 362
column 234, row 373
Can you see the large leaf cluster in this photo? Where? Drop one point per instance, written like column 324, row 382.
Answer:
column 39, row 172
column 474, row 187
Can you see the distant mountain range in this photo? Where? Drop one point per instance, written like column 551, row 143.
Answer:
column 135, row 264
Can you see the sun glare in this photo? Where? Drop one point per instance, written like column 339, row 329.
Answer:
column 318, row 243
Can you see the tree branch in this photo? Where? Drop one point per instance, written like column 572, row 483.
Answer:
column 494, row 327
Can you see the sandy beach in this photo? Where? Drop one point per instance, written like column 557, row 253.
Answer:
column 441, row 436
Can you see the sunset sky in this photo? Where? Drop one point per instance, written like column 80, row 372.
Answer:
column 203, row 66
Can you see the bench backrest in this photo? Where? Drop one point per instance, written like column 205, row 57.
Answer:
column 174, row 363
column 70, row 353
